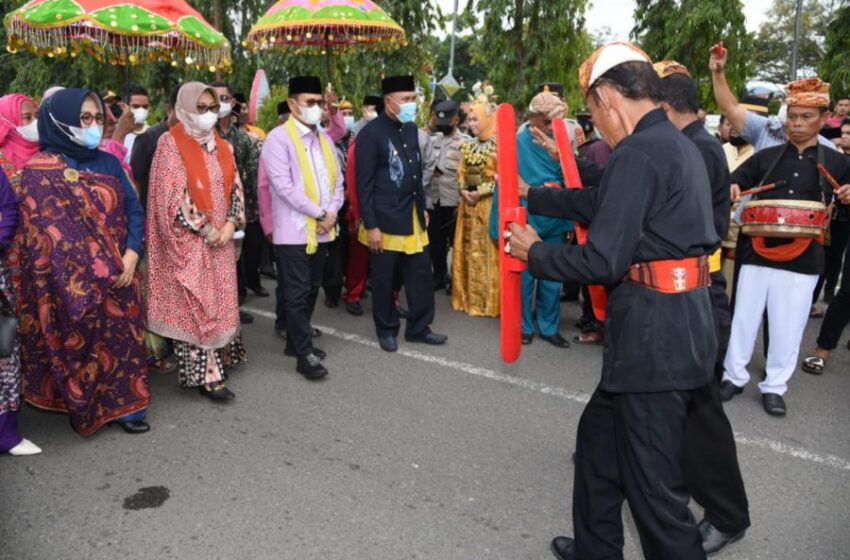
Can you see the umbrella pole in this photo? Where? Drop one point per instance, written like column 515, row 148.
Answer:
column 126, row 84
column 329, row 60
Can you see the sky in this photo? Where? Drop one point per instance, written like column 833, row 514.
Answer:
column 599, row 15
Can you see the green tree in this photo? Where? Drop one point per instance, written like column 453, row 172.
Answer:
column 775, row 40
column 835, row 68
column 525, row 42
column 685, row 30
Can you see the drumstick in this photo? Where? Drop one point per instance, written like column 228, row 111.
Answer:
column 761, row 189
column 829, row 178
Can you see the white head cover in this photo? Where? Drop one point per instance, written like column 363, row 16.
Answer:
column 607, row 57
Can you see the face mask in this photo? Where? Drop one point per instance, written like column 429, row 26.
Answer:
column 140, row 114
column 29, row 132
column 90, row 137
column 349, row 123
column 205, row 122
column 407, row 112
column 310, row 115
column 225, row 110
column 446, row 130
column 369, row 115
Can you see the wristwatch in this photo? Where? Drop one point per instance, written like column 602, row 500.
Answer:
column 323, row 216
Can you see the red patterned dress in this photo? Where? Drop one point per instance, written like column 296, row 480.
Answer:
column 192, row 293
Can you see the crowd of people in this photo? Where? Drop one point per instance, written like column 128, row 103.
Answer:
column 129, row 248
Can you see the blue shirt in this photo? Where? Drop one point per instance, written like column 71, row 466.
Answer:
column 765, row 132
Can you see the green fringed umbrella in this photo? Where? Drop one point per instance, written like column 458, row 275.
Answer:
column 122, row 32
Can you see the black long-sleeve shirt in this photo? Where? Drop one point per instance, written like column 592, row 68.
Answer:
column 142, row 156
column 653, row 203
column 718, row 174
column 801, row 182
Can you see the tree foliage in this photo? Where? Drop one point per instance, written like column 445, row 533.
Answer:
column 685, row 30
column 834, row 67
column 525, row 42
column 775, row 40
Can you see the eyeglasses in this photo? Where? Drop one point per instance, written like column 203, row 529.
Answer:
column 313, row 102
column 88, row 118
column 224, row 98
column 208, row 109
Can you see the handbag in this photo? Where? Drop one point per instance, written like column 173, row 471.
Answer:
column 8, row 327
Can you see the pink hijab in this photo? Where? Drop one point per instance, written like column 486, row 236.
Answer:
column 17, row 150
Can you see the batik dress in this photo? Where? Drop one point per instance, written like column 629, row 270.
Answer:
column 192, row 292
column 10, row 366
column 82, row 339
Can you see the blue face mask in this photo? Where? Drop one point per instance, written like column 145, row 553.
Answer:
column 407, row 112
column 92, row 136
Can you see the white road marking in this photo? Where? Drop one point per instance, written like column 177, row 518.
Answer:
column 576, row 396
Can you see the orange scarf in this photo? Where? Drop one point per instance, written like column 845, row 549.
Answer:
column 196, row 170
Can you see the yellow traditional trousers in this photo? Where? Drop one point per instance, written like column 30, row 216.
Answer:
column 475, row 262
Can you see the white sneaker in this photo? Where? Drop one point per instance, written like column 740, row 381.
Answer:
column 26, row 447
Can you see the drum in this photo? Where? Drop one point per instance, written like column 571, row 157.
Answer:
column 800, row 219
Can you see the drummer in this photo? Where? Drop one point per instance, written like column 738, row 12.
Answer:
column 772, row 275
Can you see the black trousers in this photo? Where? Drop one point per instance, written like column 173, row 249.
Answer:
column 299, row 278
column 838, row 314
column 710, row 462
column 441, row 234
column 415, row 272
column 839, row 235
column 629, row 447
column 252, row 253
column 722, row 320
column 335, row 267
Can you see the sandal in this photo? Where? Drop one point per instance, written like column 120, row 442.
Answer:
column 216, row 392
column 816, row 313
column 164, row 365
column 814, row 365
column 592, row 337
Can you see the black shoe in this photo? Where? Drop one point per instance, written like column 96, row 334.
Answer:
column 729, row 390
column 218, row 392
column 259, row 291
column 135, row 426
column 321, row 354
column 388, row 343
column 433, row 339
column 556, row 340
column 773, row 404
column 527, row 338
column 316, row 333
column 354, row 308
column 714, row 540
column 310, row 366
column 564, row 548
column 245, row 318
column 331, row 302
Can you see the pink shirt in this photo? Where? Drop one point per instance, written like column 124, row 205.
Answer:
column 290, row 206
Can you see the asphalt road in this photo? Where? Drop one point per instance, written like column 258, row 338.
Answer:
column 432, row 453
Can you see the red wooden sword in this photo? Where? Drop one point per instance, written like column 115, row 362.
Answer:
column 510, row 211
column 572, row 180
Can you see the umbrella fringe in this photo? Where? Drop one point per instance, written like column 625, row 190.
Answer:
column 173, row 47
column 315, row 36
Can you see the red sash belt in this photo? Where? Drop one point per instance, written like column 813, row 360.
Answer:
column 675, row 276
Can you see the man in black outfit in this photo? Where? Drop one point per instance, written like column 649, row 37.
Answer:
column 651, row 230
column 711, row 460
column 392, row 204
column 145, row 145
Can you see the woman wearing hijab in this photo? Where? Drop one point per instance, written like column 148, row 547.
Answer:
column 18, row 143
column 195, row 206
column 475, row 264
column 79, row 302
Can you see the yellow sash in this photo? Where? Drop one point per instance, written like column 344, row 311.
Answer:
column 311, row 187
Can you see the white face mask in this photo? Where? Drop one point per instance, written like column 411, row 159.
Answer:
column 205, row 122
column 141, row 115
column 310, row 115
column 369, row 115
column 29, row 132
column 349, row 122
column 225, row 110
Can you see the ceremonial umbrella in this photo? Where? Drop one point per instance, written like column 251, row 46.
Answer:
column 122, row 32
column 318, row 26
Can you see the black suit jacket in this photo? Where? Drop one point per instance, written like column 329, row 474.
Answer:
column 389, row 176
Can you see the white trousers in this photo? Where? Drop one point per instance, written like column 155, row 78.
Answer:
column 788, row 298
